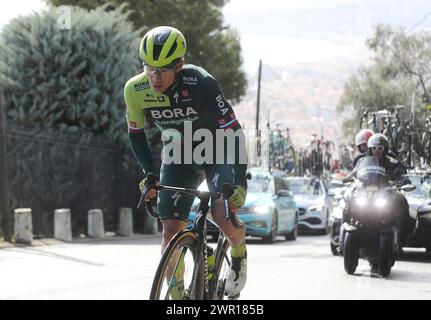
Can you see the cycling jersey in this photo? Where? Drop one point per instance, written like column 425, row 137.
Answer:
column 195, row 98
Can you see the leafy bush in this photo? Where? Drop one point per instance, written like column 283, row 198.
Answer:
column 67, row 133
column 68, row 80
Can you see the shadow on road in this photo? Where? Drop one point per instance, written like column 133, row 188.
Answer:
column 40, row 252
column 410, row 276
column 415, row 257
column 147, row 241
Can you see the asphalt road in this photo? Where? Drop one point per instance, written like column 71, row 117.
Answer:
column 123, row 269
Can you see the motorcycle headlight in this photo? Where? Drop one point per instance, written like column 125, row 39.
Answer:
column 361, row 201
column 380, row 202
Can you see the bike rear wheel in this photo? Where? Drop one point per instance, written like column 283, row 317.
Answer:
column 179, row 260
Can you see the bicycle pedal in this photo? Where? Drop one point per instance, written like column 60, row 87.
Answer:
column 235, row 297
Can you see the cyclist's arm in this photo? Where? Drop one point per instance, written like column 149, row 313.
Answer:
column 226, row 119
column 138, row 140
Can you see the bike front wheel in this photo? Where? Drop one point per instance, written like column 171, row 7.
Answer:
column 180, row 276
column 222, row 265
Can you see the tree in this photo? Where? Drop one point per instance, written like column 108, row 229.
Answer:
column 400, row 66
column 68, row 81
column 211, row 44
column 407, row 55
column 62, row 88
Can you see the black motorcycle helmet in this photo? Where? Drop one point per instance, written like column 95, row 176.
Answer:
column 378, row 140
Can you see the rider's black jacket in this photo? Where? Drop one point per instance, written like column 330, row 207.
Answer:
column 361, row 155
column 356, row 159
column 395, row 170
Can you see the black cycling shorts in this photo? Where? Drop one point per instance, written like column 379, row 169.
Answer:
column 175, row 205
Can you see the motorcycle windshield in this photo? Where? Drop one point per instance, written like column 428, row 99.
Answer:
column 370, row 171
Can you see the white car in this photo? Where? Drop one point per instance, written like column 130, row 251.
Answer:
column 313, row 201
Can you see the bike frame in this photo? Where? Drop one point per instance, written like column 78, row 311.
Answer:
column 199, row 227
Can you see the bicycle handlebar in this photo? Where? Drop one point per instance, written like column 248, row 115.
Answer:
column 227, row 191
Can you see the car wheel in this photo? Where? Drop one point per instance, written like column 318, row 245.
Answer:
column 272, row 237
column 294, row 233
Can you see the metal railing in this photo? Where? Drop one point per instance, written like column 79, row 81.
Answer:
column 46, row 172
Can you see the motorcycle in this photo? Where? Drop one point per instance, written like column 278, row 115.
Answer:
column 371, row 227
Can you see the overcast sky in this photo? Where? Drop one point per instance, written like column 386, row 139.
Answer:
column 281, row 32
column 292, row 31
column 11, row 9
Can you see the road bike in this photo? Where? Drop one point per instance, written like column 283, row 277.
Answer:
column 280, row 148
column 186, row 255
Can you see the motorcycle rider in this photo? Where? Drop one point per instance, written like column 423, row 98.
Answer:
column 361, row 141
column 378, row 146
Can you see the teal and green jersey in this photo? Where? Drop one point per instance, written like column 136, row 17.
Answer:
column 195, row 97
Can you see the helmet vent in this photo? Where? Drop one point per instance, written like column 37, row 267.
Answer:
column 156, row 51
column 173, row 48
column 145, row 45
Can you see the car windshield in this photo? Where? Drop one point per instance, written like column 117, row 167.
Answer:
column 258, row 183
column 305, row 186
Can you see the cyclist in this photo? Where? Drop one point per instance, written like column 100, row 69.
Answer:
column 175, row 95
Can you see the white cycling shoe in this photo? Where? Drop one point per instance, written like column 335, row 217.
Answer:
column 237, row 277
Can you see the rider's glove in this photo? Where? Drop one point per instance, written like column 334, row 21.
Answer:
column 149, row 182
column 237, row 199
column 142, row 184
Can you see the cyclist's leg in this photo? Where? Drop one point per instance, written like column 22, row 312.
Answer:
column 181, row 249
column 174, row 207
column 217, row 175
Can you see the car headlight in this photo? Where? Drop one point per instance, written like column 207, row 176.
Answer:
column 316, row 208
column 380, row 202
column 361, row 201
column 258, row 224
column 261, row 209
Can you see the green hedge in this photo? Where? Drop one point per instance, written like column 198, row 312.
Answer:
column 68, row 80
